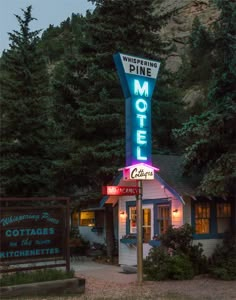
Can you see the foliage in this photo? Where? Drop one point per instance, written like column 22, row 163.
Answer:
column 28, row 132
column 159, row 265
column 180, row 241
column 177, row 257
column 179, row 238
column 223, row 260
column 209, row 137
column 155, row 265
column 180, row 267
column 89, row 100
column 34, row 276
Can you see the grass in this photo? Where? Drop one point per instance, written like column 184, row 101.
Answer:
column 34, row 276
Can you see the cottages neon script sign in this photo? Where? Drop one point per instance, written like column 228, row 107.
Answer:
column 138, row 77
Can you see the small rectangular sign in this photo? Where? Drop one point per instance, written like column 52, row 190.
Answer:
column 139, row 172
column 120, row 190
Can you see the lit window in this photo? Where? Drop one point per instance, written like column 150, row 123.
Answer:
column 146, row 223
column 87, row 218
column 202, row 218
column 223, row 214
column 133, row 228
column 163, row 218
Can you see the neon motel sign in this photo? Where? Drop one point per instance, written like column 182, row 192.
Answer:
column 138, row 78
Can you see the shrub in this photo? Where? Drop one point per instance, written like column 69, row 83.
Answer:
column 180, row 267
column 177, row 258
column 34, row 276
column 156, row 264
column 159, row 265
column 179, row 238
column 223, row 260
column 181, row 241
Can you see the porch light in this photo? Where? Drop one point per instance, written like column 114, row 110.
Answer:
column 122, row 214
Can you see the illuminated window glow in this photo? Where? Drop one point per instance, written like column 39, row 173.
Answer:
column 202, row 218
column 87, row 218
column 223, row 214
column 146, row 223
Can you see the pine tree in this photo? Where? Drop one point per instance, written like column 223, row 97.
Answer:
column 210, row 136
column 89, row 96
column 26, row 149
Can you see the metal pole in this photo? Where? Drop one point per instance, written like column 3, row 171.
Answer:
column 139, row 225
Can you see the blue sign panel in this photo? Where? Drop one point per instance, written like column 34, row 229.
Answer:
column 138, row 78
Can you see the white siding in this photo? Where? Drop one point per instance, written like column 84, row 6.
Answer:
column 208, row 245
column 151, row 190
column 187, row 211
column 177, row 217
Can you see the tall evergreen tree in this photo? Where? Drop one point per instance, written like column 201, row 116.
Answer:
column 210, row 136
column 88, row 92
column 26, row 123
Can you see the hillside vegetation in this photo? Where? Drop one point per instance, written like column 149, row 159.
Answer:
column 62, row 108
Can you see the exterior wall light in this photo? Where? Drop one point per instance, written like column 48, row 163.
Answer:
column 122, row 214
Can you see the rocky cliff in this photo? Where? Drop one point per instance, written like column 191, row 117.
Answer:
column 179, row 26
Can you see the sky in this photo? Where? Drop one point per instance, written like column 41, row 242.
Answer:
column 45, row 11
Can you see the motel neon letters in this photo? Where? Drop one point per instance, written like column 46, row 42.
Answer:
column 138, row 77
column 141, row 107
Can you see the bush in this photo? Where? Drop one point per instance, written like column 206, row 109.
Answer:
column 223, row 260
column 34, row 276
column 180, row 268
column 181, row 241
column 159, row 265
column 156, row 264
column 177, row 258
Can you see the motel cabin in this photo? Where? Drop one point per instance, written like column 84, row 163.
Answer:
column 168, row 200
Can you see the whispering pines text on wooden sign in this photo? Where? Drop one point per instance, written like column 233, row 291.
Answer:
column 34, row 233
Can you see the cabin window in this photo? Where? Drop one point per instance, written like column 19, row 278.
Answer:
column 87, row 218
column 146, row 223
column 202, row 218
column 163, row 218
column 223, row 214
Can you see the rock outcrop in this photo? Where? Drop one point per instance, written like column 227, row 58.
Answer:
column 179, row 27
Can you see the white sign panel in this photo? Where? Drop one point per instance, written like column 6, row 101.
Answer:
column 138, row 172
column 139, row 66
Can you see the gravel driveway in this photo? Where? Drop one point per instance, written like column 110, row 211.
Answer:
column 199, row 288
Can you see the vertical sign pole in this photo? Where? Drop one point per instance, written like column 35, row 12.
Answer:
column 139, row 224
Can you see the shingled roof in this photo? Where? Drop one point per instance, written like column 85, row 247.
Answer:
column 171, row 170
